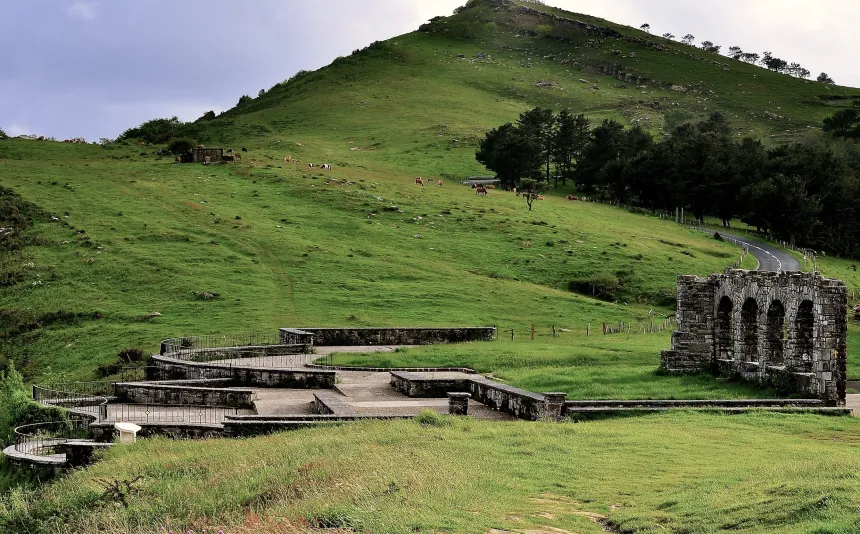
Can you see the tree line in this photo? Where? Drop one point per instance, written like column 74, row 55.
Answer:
column 766, row 59
column 803, row 193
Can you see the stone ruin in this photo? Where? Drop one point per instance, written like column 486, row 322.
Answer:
column 781, row 329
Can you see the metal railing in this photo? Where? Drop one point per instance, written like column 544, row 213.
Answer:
column 41, row 439
column 159, row 413
column 80, row 403
column 238, row 350
column 192, row 344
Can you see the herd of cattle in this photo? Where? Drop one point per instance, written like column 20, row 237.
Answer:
column 480, row 189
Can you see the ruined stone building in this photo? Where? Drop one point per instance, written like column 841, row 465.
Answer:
column 786, row 329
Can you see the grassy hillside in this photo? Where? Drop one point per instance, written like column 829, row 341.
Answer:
column 677, row 472
column 123, row 233
column 408, row 97
column 137, row 234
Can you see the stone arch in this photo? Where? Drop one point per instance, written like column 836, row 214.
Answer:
column 775, row 334
column 804, row 323
column 723, row 335
column 749, row 331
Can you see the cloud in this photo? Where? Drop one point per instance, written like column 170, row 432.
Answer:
column 81, row 10
column 14, row 130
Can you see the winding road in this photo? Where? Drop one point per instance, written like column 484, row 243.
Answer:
column 769, row 257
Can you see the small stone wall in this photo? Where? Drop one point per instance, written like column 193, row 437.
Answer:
column 160, row 393
column 247, row 376
column 781, row 329
column 343, row 337
column 520, row 403
column 413, row 385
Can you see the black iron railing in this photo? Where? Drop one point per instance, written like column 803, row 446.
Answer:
column 158, row 413
column 41, row 439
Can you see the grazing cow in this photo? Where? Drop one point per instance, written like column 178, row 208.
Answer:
column 439, row 183
column 481, row 190
column 540, row 197
column 571, row 197
column 237, row 157
column 326, row 167
column 310, row 165
column 491, row 186
column 287, row 159
column 419, row 181
column 178, row 159
column 244, row 149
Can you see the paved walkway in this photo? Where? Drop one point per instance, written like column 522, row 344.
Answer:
column 368, row 393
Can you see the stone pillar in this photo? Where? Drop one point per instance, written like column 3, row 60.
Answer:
column 553, row 404
column 458, row 403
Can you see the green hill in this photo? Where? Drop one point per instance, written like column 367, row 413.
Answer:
column 409, row 96
column 119, row 232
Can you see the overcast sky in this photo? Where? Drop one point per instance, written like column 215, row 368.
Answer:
column 92, row 68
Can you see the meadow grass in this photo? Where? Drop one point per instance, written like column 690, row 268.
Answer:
column 283, row 247
column 615, row 366
column 676, row 472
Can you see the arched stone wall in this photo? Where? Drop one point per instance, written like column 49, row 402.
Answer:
column 774, row 338
column 762, row 325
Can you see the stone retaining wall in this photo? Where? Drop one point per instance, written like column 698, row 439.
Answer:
column 348, row 336
column 105, row 432
column 508, row 399
column 160, row 393
column 247, row 376
column 413, row 385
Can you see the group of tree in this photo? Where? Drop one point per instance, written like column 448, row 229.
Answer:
column 845, row 123
column 801, row 193
column 767, row 59
column 523, row 154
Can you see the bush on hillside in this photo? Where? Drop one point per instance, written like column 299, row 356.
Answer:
column 601, row 285
column 156, row 131
column 208, row 116
column 179, row 147
column 18, row 408
column 3, row 134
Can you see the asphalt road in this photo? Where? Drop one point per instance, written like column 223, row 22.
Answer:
column 769, row 258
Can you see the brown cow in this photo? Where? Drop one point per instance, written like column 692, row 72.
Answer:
column 571, row 197
column 419, row 181
column 491, row 186
column 439, row 183
column 481, row 190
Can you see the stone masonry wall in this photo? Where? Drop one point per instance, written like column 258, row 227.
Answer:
column 158, row 393
column 387, row 336
column 785, row 329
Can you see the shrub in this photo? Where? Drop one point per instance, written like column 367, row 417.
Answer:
column 178, row 147
column 156, row 131
column 601, row 285
column 208, row 116
column 428, row 417
column 3, row 134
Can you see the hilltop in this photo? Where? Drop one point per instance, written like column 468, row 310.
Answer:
column 404, row 101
